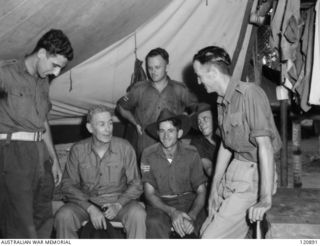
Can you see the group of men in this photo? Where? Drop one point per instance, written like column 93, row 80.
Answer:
column 159, row 189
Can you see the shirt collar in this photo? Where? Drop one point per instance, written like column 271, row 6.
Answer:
column 161, row 152
column 110, row 149
column 23, row 69
column 22, row 66
column 169, row 83
column 229, row 92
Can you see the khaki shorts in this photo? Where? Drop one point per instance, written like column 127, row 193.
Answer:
column 237, row 193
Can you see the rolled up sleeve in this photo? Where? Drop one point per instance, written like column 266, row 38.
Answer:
column 258, row 114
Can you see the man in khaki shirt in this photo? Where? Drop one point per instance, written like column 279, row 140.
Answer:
column 29, row 166
column 246, row 184
column 101, row 181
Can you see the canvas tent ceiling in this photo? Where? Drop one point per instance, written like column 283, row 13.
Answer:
column 103, row 34
column 91, row 25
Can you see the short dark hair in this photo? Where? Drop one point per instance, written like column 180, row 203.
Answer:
column 55, row 42
column 175, row 122
column 216, row 56
column 97, row 109
column 158, row 52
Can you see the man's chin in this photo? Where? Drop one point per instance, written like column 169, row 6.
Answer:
column 104, row 140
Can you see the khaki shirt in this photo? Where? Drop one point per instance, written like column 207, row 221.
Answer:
column 244, row 113
column 147, row 102
column 183, row 174
column 112, row 178
column 24, row 99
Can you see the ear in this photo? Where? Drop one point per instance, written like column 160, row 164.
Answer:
column 167, row 67
column 180, row 133
column 89, row 127
column 42, row 53
column 214, row 70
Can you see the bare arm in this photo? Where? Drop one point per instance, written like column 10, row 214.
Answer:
column 199, row 202
column 265, row 154
column 177, row 217
column 56, row 170
column 207, row 166
column 130, row 117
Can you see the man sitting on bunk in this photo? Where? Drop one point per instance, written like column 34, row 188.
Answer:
column 101, row 174
column 174, row 181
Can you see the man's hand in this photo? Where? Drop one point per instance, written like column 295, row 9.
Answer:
column 188, row 226
column 97, row 218
column 177, row 218
column 56, row 172
column 112, row 210
column 139, row 129
column 257, row 211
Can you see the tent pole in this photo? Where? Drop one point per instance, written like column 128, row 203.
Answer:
column 284, row 136
column 256, row 59
column 296, row 157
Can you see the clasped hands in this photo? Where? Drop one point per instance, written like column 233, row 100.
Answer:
column 182, row 223
column 98, row 217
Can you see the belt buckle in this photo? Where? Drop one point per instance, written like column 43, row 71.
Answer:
column 38, row 136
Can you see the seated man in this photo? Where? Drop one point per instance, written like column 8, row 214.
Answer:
column 207, row 142
column 174, row 182
column 101, row 174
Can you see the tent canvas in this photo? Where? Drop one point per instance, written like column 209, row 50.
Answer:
column 182, row 28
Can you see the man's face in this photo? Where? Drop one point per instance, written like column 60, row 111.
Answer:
column 205, row 123
column 50, row 64
column 208, row 76
column 101, row 127
column 168, row 134
column 157, row 68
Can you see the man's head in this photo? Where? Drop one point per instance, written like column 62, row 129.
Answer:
column 100, row 123
column 202, row 119
column 169, row 127
column 53, row 51
column 156, row 62
column 205, row 123
column 169, row 131
column 211, row 64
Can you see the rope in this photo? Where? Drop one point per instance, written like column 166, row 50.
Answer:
column 70, row 78
column 135, row 45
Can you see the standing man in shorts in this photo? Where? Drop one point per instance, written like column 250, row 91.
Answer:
column 245, row 185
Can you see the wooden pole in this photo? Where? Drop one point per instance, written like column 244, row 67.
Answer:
column 284, row 136
column 296, row 157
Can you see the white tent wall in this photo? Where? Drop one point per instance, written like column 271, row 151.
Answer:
column 182, row 28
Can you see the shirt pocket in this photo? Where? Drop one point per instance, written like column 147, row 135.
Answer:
column 21, row 100
column 238, row 136
column 113, row 174
column 87, row 174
